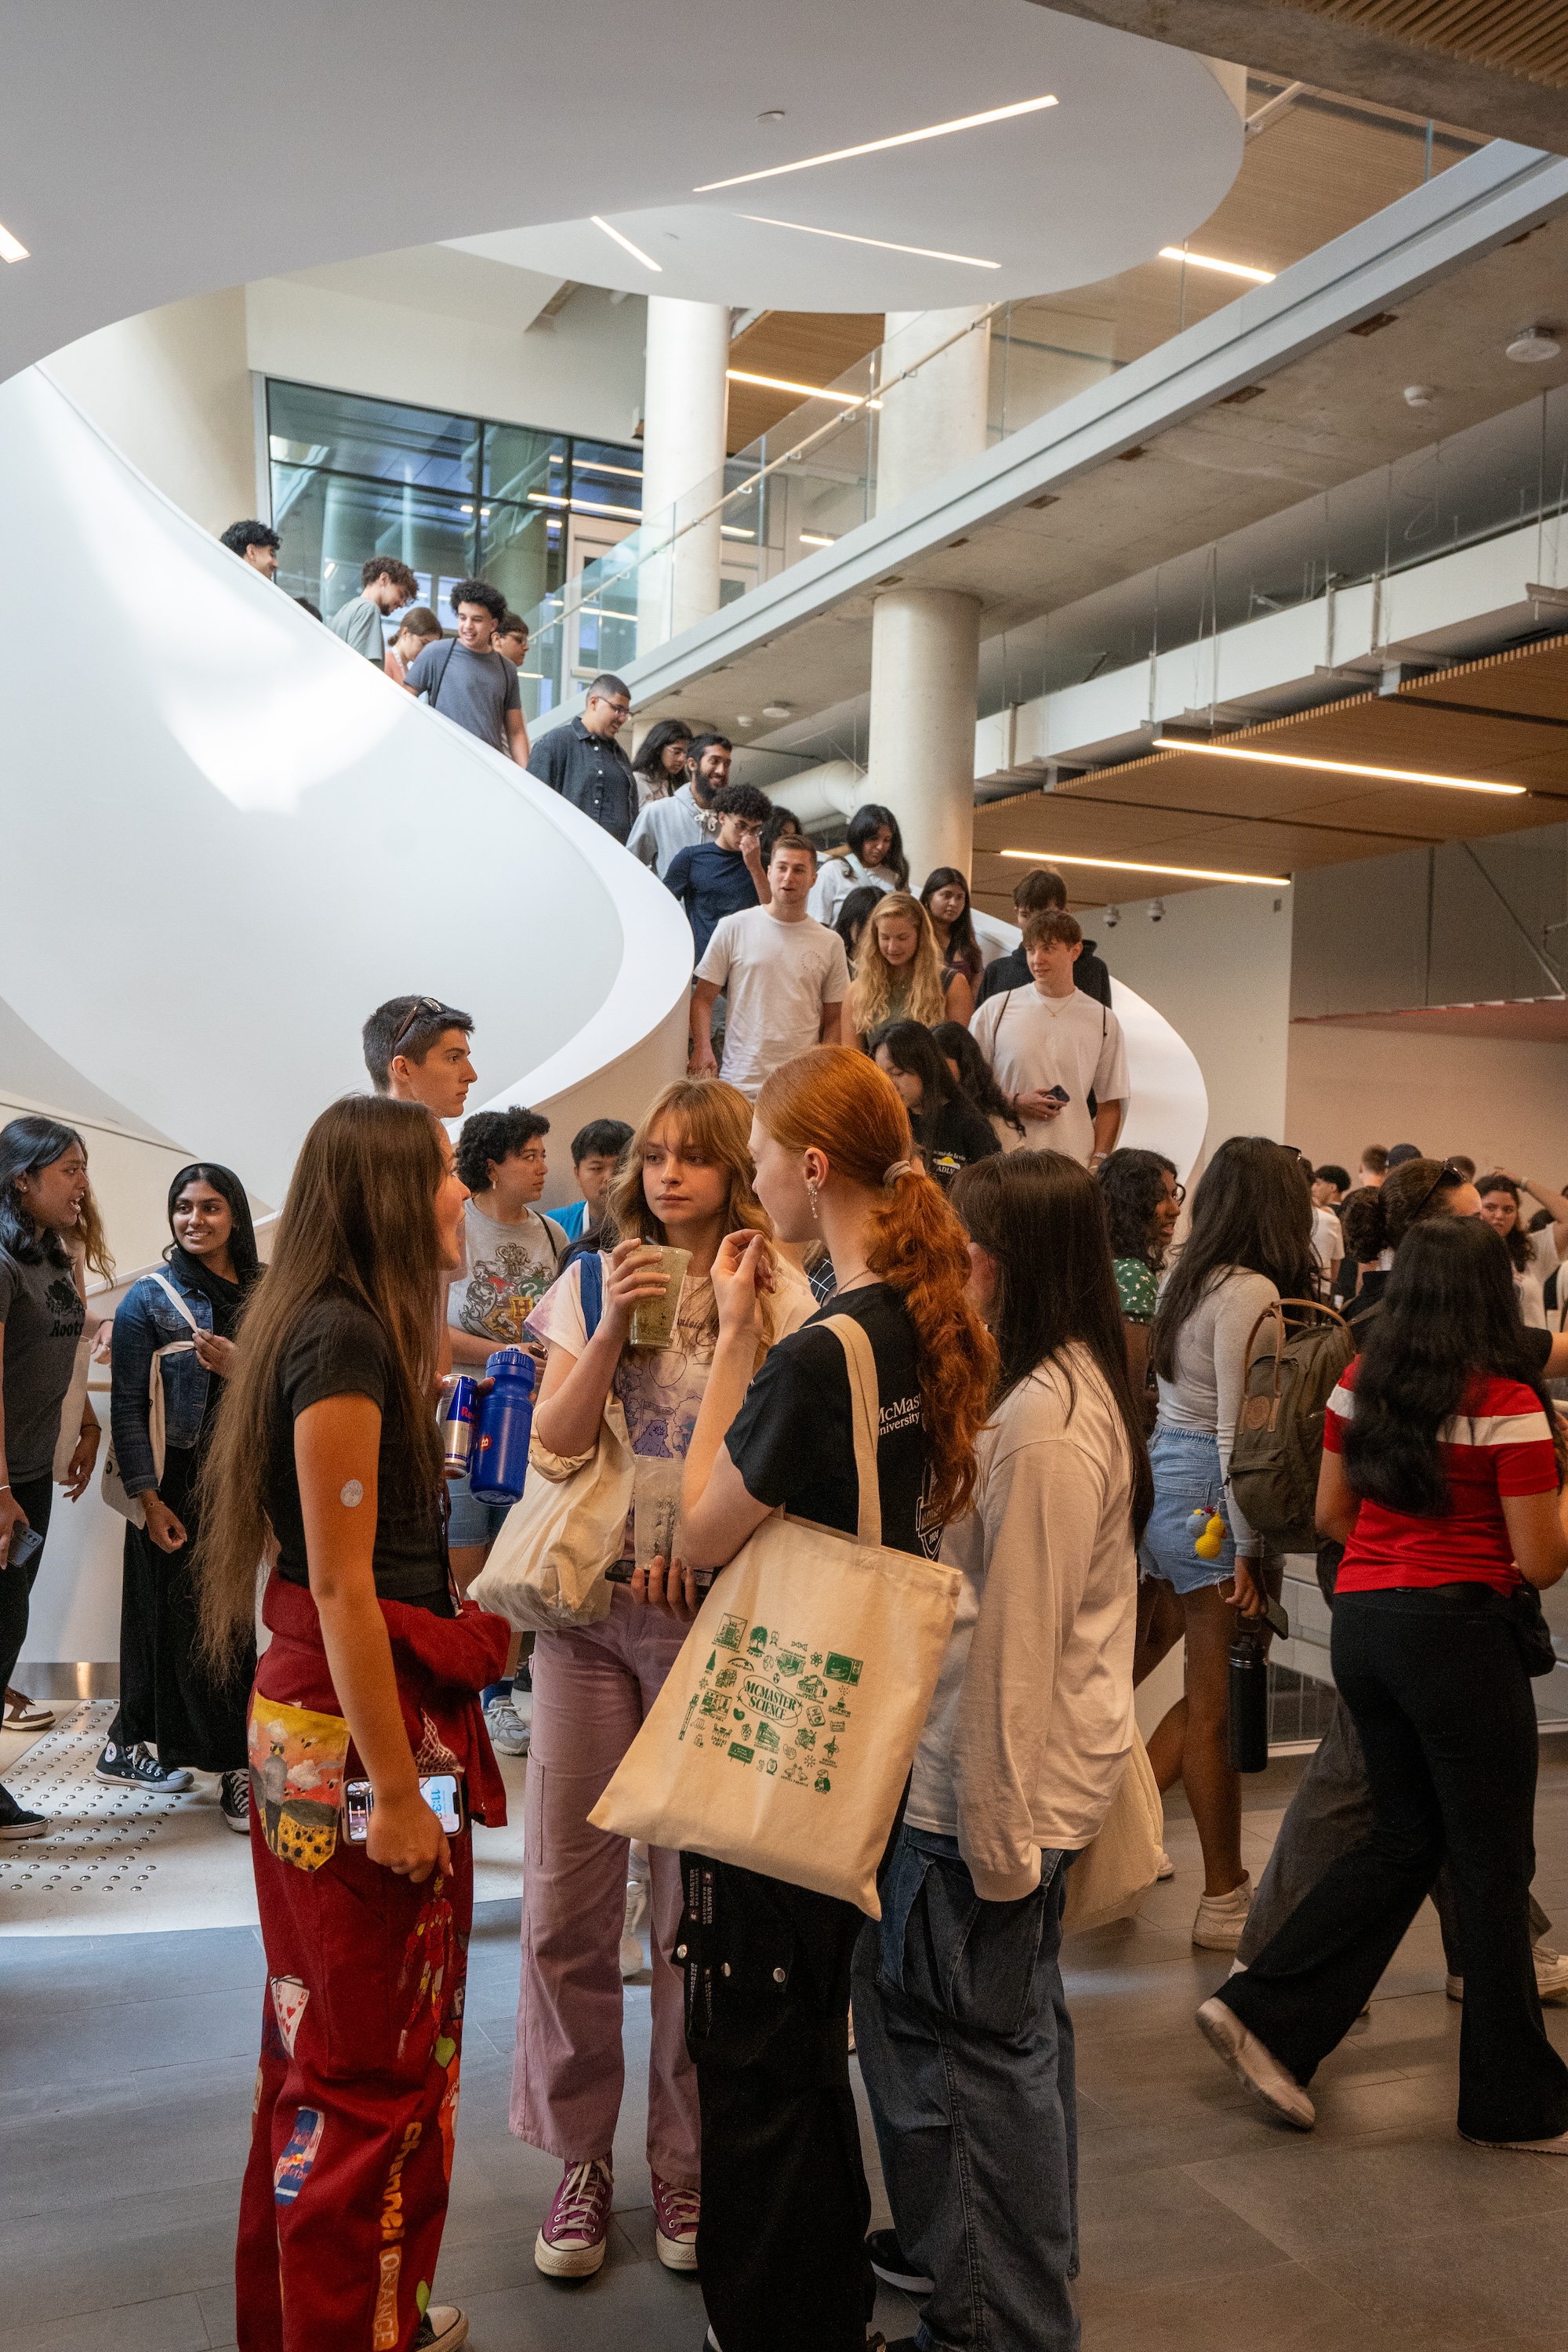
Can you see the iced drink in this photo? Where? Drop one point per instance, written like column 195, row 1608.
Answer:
column 653, row 1319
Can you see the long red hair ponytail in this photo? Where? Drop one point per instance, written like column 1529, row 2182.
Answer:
column 842, row 1105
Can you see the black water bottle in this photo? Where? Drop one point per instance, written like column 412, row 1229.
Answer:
column 1249, row 1699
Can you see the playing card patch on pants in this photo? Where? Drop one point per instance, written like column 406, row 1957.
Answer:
column 290, row 1996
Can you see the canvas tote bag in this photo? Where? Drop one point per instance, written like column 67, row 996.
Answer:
column 1115, row 1871
column 546, row 1570
column 784, row 1733
column 129, row 1506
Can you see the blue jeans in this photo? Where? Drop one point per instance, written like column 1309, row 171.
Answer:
column 966, row 2051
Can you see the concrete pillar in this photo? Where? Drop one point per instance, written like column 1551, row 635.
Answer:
column 936, row 419
column 925, row 666
column 685, row 397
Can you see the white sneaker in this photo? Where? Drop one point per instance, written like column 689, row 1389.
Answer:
column 1558, row 2147
column 1220, row 1919
column 508, row 1731
column 443, row 2329
column 632, row 1961
column 1164, row 1867
column 1550, row 1982
column 1258, row 2067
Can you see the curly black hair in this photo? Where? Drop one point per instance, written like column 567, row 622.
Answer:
column 479, row 592
column 1133, row 1184
column 241, row 535
column 494, row 1135
column 742, row 800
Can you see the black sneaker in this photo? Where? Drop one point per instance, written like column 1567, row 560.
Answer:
column 138, row 1767
column 442, row 2329
column 234, row 1796
column 16, row 1821
column 893, row 2267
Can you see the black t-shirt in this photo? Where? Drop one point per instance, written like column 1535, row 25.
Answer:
column 793, row 1440
column 339, row 1348
column 958, row 1133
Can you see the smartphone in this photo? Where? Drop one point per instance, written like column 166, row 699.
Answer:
column 442, row 1791
column 1274, row 1614
column 26, row 1545
column 620, row 1572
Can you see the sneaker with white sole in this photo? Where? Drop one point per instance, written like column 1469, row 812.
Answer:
column 1257, row 2067
column 442, row 2329
column 508, row 1731
column 16, row 1823
column 137, row 1767
column 893, row 2267
column 1221, row 1918
column 1551, row 1980
column 234, row 1796
column 576, row 2236
column 1558, row 2147
column 676, row 2213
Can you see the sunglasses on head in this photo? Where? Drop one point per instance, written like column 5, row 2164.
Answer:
column 1447, row 1179
column 425, row 1008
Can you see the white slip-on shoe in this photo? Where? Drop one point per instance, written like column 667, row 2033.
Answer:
column 1164, row 1867
column 1558, row 2147
column 1221, row 1918
column 1258, row 2067
column 1550, row 1983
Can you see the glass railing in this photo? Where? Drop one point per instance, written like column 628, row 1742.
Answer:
column 818, row 472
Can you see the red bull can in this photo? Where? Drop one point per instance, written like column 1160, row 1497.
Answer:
column 455, row 1421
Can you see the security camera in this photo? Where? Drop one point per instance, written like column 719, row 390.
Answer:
column 1113, row 917
column 1156, row 910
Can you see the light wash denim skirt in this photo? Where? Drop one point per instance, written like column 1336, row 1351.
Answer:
column 1185, row 1463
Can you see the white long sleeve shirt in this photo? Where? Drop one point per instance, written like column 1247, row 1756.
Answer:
column 1032, row 1720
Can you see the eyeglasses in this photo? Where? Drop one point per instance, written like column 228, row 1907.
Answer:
column 425, row 1008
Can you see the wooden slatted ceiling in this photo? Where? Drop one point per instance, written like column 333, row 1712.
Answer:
column 1480, row 720
column 1523, row 36
column 803, row 347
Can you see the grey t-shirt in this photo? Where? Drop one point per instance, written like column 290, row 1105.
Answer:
column 43, row 1318
column 359, row 625
column 474, row 690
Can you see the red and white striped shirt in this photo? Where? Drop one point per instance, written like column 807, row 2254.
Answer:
column 1499, row 1445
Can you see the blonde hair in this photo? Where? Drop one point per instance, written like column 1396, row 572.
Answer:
column 871, row 990
column 716, row 1119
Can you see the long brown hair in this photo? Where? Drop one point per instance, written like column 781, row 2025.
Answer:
column 358, row 1224
column 1041, row 1217
column 843, row 1104
column 871, row 990
column 1252, row 1210
column 715, row 1119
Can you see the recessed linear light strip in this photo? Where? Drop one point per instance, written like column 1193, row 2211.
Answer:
column 11, row 247
column 883, row 244
column 877, row 146
column 1135, row 865
column 1208, row 261
column 635, row 250
column 1336, row 767
column 807, row 390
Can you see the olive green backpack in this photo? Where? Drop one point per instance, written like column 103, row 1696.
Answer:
column 1278, row 1445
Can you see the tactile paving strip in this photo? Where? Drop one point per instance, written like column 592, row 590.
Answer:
column 105, row 1840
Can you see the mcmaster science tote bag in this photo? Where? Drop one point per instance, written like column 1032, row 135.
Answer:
column 785, row 1734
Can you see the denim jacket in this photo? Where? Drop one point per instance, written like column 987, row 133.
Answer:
column 145, row 1321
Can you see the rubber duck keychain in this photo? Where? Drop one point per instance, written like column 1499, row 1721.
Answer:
column 1208, row 1532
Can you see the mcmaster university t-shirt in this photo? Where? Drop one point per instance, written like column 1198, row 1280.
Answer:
column 793, row 1440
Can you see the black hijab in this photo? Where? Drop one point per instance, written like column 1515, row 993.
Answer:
column 225, row 1297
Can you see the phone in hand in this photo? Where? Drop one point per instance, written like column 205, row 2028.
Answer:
column 1274, row 1614
column 442, row 1791
column 26, row 1545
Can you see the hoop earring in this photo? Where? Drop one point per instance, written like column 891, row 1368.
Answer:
column 811, row 1196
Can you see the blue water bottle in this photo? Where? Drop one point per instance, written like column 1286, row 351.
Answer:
column 498, row 1464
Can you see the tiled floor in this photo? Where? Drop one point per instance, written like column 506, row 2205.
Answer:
column 126, row 2065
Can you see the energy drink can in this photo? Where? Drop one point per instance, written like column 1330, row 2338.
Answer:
column 456, row 1419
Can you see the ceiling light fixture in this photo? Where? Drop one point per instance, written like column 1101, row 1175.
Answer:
column 1335, row 767
column 11, row 247
column 807, row 390
column 817, row 538
column 876, row 146
column 883, row 243
column 1226, row 269
column 635, row 250
column 1531, row 347
column 1136, row 866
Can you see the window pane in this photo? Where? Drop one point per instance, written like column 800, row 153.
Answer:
column 380, row 437
column 520, row 553
column 606, row 480
column 329, row 523
column 519, row 462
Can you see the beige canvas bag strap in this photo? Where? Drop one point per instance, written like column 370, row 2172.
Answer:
column 866, row 1406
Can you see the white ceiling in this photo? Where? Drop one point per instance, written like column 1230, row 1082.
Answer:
column 154, row 153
